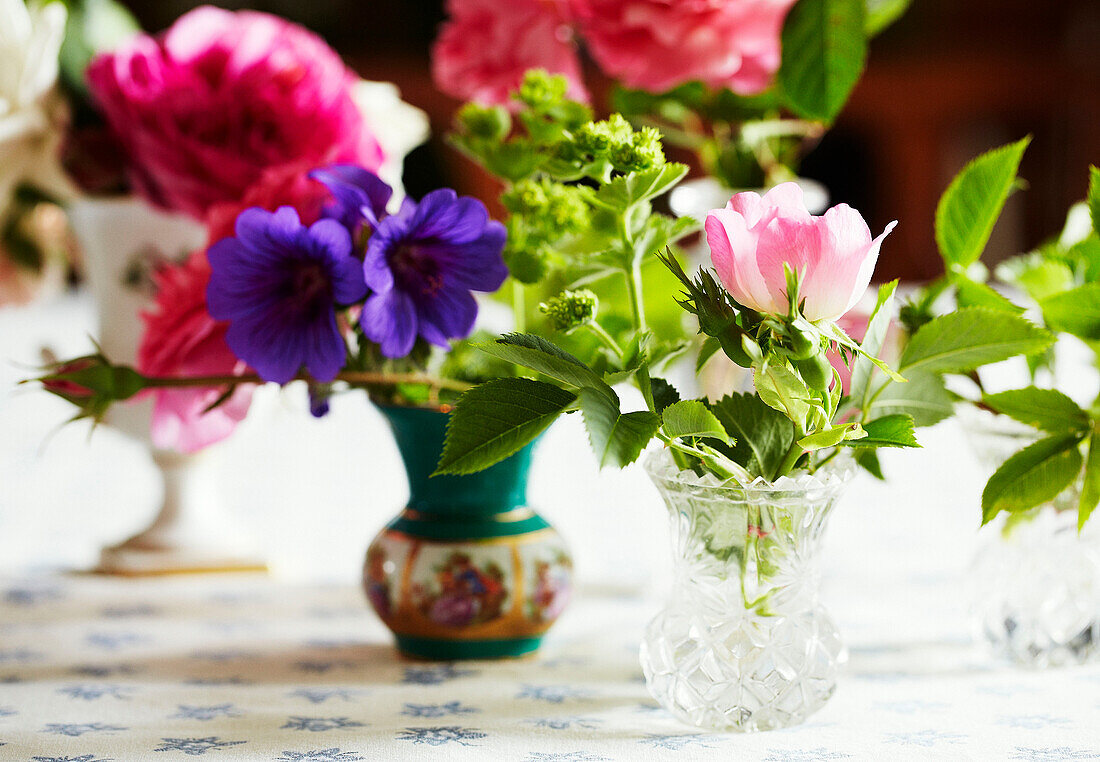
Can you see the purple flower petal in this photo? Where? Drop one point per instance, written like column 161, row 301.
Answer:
column 360, row 196
column 449, row 315
column 390, row 321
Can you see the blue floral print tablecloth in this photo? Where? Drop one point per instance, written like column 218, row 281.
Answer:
column 247, row 668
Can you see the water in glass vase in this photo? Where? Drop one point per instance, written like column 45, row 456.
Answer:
column 743, row 643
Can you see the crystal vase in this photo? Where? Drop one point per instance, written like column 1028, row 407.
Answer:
column 1036, row 585
column 743, row 643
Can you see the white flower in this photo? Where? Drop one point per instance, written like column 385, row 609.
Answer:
column 31, row 114
column 397, row 126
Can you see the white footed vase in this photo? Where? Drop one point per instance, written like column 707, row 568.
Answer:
column 123, row 241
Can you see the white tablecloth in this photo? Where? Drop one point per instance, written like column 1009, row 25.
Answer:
column 294, row 667
column 252, row 669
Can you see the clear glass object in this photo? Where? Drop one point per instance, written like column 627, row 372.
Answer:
column 742, row 643
column 1035, row 580
column 1037, row 587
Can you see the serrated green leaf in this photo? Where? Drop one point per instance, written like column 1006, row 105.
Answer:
column 973, row 201
column 1090, row 489
column 1046, row 409
column 617, row 438
column 762, row 435
column 974, row 294
column 969, row 338
column 1076, row 311
column 780, row 388
column 873, row 339
column 1094, row 198
column 883, row 13
column 540, row 355
column 664, row 393
column 824, row 49
column 627, row 190
column 497, row 419
column 691, row 418
column 1031, row 477
column 868, row 459
column 889, row 431
column 925, row 398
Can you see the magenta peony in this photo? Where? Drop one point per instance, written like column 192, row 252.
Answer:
column 181, row 339
column 486, row 46
column 753, row 237
column 657, row 45
column 204, row 108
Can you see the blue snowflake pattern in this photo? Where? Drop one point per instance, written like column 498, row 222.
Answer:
column 19, row 656
column 217, row 681
column 204, row 713
column 803, row 755
column 195, row 747
column 7, row 711
column 563, row 756
column 648, row 706
column 1053, row 754
column 81, row 758
column 327, row 644
column 320, row 724
column 102, row 670
column 30, row 596
column 434, row 675
column 114, row 641
column 565, row 723
column 565, row 661
column 437, row 710
column 1031, row 721
column 441, row 735
column 89, row 692
column 74, row 729
column 553, row 694
column 319, row 755
column 924, row 738
column 126, row 612
column 677, row 742
column 318, row 667
column 321, row 695
column 227, row 655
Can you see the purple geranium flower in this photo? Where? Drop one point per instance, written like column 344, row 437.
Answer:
column 278, row 283
column 422, row 263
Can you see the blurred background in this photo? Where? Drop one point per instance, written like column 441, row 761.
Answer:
column 947, row 81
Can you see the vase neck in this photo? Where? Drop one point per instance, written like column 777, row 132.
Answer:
column 420, row 434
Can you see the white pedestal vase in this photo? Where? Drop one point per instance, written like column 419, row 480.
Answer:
column 123, row 241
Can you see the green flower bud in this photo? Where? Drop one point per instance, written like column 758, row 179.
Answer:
column 529, row 264
column 602, row 138
column 815, row 371
column 487, row 122
column 540, row 89
column 642, row 153
column 571, row 309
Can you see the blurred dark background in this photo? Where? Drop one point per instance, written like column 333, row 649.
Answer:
column 949, row 80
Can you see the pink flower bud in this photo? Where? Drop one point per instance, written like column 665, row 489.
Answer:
column 753, row 237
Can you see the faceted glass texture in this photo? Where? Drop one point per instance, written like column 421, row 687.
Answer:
column 742, row 643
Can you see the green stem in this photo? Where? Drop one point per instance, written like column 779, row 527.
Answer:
column 634, row 286
column 790, row 459
column 605, row 337
column 519, row 307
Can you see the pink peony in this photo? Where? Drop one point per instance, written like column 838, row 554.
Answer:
column 486, row 46
column 287, row 185
column 204, row 108
column 752, row 238
column 181, row 339
column 657, row 45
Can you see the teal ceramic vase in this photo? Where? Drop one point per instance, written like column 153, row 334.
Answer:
column 467, row 570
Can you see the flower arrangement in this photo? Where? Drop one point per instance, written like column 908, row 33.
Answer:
column 1059, row 284
column 708, row 73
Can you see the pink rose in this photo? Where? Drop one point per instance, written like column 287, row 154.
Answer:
column 181, row 339
column 204, row 108
column 657, row 45
column 752, row 238
column 486, row 46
